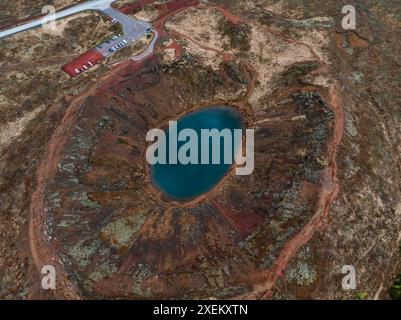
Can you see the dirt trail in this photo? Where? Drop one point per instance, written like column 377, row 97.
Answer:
column 329, row 190
column 226, row 57
column 329, row 186
column 41, row 249
column 43, row 252
column 169, row 9
column 234, row 19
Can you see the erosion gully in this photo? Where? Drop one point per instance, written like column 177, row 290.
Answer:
column 44, row 253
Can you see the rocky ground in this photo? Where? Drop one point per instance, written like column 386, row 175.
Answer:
column 325, row 104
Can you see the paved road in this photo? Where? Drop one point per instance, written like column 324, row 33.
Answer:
column 149, row 50
column 89, row 5
column 133, row 30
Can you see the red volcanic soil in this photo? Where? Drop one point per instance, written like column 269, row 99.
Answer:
column 88, row 59
column 244, row 222
column 171, row 8
column 121, row 238
column 226, row 56
column 165, row 9
column 328, row 192
column 175, row 248
column 234, row 19
column 132, row 8
column 177, row 49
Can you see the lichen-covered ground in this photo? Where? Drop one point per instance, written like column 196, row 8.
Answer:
column 325, row 104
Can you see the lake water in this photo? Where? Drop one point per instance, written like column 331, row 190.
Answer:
column 185, row 182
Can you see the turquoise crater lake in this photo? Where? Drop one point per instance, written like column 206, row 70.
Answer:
column 185, row 182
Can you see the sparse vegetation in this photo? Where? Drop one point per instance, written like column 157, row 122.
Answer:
column 395, row 290
column 362, row 296
column 237, row 34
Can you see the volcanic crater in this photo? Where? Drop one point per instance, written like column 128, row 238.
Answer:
column 115, row 236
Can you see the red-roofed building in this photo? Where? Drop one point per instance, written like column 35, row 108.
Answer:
column 83, row 63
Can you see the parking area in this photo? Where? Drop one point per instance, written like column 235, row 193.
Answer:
column 83, row 63
column 119, row 41
column 133, row 30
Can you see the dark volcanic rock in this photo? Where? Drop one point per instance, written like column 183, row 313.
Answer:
column 119, row 238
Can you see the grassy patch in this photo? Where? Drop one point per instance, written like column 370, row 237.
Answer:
column 395, row 290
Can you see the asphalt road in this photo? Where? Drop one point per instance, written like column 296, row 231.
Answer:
column 132, row 29
column 89, row 5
